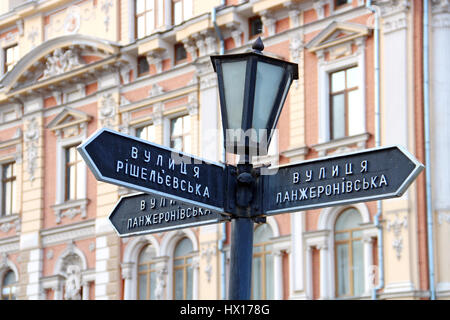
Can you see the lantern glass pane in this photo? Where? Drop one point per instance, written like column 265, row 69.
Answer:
column 234, row 85
column 268, row 81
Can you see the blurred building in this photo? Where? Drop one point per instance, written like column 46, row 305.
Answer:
column 142, row 67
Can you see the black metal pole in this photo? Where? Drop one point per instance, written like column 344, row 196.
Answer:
column 241, row 254
column 241, row 259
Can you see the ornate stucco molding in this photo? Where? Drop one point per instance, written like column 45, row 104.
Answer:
column 31, row 137
column 396, row 226
column 61, row 61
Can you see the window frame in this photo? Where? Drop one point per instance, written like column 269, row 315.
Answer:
column 178, row 60
column 67, row 166
column 147, row 272
column 252, row 35
column 4, row 182
column 143, row 126
column 183, row 17
column 6, row 63
column 138, row 63
column 324, row 70
column 184, row 267
column 11, row 286
column 339, row 6
column 183, row 135
column 349, row 242
column 156, row 23
column 263, row 254
column 62, row 145
column 346, row 92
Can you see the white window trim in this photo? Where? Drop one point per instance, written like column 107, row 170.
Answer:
column 166, row 126
column 168, row 248
column 277, row 249
column 129, row 265
column 5, row 266
column 81, row 201
column 325, row 68
column 13, row 215
column 166, row 14
column 323, row 239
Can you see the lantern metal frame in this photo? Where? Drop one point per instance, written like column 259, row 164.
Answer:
column 252, row 58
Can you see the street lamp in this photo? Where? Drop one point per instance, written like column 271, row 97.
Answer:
column 252, row 91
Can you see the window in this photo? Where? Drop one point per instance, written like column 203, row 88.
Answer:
column 262, row 273
column 73, row 171
column 147, row 274
column 180, row 53
column 181, row 10
column 149, row 16
column 8, row 189
column 183, row 270
column 146, row 132
column 349, row 254
column 338, row 3
column 142, row 65
column 11, row 57
column 345, row 107
column 180, row 137
column 8, row 286
column 255, row 26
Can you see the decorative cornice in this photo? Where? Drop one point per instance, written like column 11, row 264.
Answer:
column 65, row 233
column 390, row 7
column 70, row 209
column 337, row 33
column 9, row 222
column 342, row 145
column 295, row 152
column 440, row 6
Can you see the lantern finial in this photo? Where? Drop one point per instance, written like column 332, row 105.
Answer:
column 258, row 45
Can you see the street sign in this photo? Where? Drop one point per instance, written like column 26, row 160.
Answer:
column 368, row 175
column 146, row 213
column 138, row 164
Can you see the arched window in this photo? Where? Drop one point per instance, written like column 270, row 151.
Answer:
column 349, row 254
column 147, row 274
column 183, row 270
column 262, row 273
column 9, row 286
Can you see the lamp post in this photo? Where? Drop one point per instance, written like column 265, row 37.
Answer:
column 252, row 91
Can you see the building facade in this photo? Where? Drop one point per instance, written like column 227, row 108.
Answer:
column 371, row 73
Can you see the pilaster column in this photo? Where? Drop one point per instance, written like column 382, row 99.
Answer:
column 193, row 113
column 309, row 275
column 440, row 135
column 161, row 279
column 297, row 269
column 157, row 116
column 210, row 126
column 269, row 22
column 107, row 243
column 324, row 267
column 368, row 262
column 395, row 14
column 31, row 256
column 209, row 262
column 127, row 275
column 278, row 274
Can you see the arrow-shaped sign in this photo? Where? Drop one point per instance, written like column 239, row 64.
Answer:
column 368, row 175
column 151, row 213
column 138, row 164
